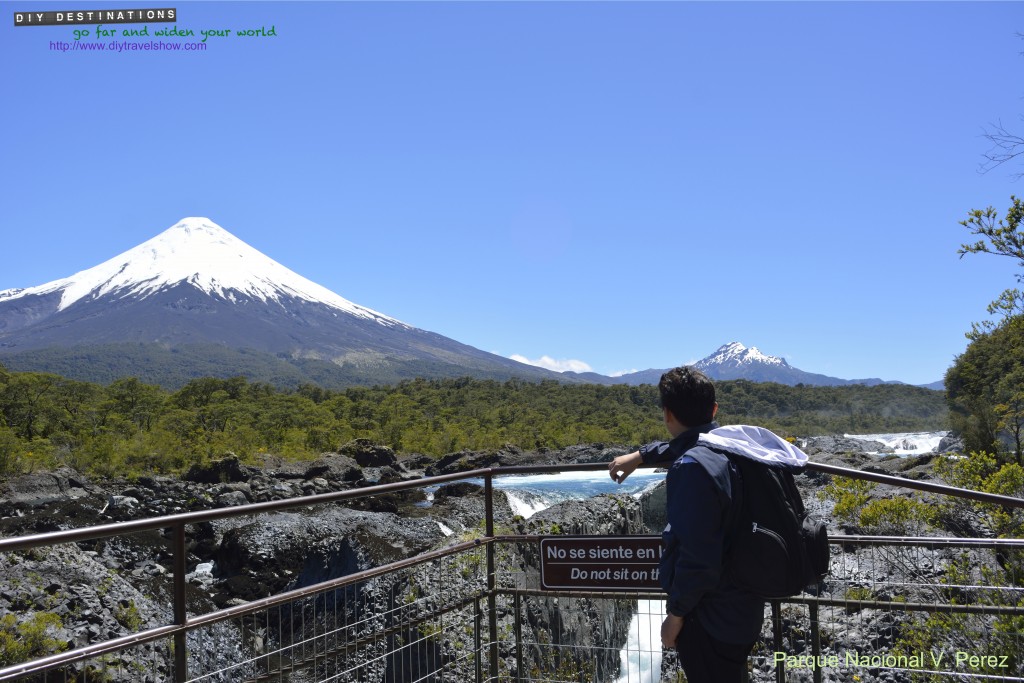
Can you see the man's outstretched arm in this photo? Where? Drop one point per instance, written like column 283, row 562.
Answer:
column 654, row 453
column 623, row 466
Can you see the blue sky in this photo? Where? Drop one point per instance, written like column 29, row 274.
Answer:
column 626, row 185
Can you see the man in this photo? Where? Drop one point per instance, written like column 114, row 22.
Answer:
column 711, row 622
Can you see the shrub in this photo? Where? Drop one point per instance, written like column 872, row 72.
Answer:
column 849, row 495
column 29, row 639
column 896, row 516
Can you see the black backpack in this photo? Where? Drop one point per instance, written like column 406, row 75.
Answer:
column 774, row 549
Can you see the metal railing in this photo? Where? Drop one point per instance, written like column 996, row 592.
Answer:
column 474, row 611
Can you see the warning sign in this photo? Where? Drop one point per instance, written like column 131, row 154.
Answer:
column 601, row 563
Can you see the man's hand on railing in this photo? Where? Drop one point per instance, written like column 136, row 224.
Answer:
column 623, row 466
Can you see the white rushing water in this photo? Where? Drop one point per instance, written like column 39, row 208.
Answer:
column 908, row 443
column 640, row 659
column 525, row 505
column 529, row 494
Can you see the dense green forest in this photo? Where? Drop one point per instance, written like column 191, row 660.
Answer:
column 128, row 427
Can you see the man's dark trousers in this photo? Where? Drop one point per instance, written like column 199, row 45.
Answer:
column 706, row 660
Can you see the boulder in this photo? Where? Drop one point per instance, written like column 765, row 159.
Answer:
column 125, row 503
column 950, row 444
column 334, row 467
column 226, row 469
column 458, row 490
column 43, row 488
column 840, row 444
column 369, row 454
column 231, row 499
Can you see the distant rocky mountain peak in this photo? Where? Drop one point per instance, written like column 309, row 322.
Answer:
column 735, row 361
column 736, row 355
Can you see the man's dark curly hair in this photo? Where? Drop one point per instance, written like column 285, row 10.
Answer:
column 688, row 394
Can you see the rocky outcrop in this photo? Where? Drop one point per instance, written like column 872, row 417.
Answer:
column 511, row 456
column 369, row 454
column 271, row 553
column 814, row 445
column 65, row 597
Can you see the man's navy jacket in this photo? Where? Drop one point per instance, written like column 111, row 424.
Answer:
column 700, row 512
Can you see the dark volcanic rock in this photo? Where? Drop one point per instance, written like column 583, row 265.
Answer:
column 911, row 467
column 415, row 461
column 597, row 627
column 34, row 490
column 463, row 461
column 605, row 515
column 271, row 553
column 86, row 600
column 950, row 444
column 458, row 490
column 369, row 454
column 510, row 456
column 226, row 469
column 590, row 453
column 814, row 445
column 334, row 467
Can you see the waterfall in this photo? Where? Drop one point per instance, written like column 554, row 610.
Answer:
column 641, row 657
column 526, row 504
column 909, row 443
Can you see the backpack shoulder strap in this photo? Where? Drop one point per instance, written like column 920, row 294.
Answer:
column 724, row 472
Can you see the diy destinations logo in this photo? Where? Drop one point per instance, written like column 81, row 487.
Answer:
column 99, row 16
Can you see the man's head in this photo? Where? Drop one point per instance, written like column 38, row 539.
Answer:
column 689, row 395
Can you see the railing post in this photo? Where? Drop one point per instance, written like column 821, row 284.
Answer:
column 180, row 615
column 477, row 625
column 492, row 582
column 815, row 640
column 516, row 606
column 780, row 667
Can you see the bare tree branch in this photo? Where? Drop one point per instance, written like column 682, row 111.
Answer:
column 1006, row 146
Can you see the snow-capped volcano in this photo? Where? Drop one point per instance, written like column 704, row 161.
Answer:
column 736, row 355
column 200, row 300
column 736, row 361
column 200, row 253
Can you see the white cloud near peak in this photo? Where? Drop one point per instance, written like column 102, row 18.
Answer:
column 549, row 363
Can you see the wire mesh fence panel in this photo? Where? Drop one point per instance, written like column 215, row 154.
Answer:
column 903, row 610
column 415, row 624
column 571, row 636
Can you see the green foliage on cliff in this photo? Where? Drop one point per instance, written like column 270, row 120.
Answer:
column 985, row 385
column 986, row 390
column 976, row 578
column 983, row 472
column 129, row 427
